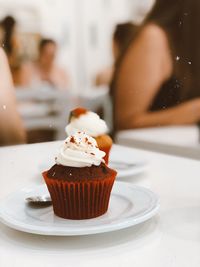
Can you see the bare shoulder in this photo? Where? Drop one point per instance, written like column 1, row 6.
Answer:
column 153, row 35
column 151, row 48
column 151, row 45
column 153, row 30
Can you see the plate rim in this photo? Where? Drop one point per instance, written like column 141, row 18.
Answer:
column 139, row 168
column 50, row 231
column 142, row 163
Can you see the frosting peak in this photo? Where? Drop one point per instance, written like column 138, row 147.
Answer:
column 89, row 122
column 80, row 150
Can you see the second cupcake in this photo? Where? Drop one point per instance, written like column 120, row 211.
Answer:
column 89, row 122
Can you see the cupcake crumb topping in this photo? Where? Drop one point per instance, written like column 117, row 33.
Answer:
column 80, row 150
column 77, row 112
column 72, row 140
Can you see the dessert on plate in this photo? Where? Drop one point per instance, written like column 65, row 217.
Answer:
column 80, row 182
column 89, row 122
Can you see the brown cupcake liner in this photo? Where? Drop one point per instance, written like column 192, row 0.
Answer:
column 79, row 199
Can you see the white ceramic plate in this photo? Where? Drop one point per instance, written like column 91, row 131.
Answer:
column 125, row 168
column 126, row 161
column 129, row 205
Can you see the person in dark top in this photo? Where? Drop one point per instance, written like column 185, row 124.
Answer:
column 157, row 80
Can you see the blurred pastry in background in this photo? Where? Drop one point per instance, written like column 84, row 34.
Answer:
column 89, row 122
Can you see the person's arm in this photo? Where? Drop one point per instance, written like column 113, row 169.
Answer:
column 104, row 77
column 185, row 113
column 59, row 78
column 23, row 76
column 146, row 66
column 11, row 128
column 65, row 79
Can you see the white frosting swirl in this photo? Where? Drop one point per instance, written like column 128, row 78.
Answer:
column 89, row 122
column 80, row 150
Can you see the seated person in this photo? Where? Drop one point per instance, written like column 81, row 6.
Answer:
column 11, row 128
column 123, row 34
column 9, row 39
column 157, row 82
column 44, row 70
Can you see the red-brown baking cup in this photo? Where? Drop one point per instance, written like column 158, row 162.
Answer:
column 106, row 149
column 79, row 200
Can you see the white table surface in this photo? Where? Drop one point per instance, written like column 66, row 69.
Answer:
column 170, row 239
column 177, row 140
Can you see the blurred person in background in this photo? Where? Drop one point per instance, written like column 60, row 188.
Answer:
column 157, row 80
column 122, row 35
column 11, row 128
column 44, row 70
column 9, row 40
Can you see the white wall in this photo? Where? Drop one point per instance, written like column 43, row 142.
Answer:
column 83, row 29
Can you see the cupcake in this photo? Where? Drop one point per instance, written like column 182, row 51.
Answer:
column 80, row 182
column 89, row 122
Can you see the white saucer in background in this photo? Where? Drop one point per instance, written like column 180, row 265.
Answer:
column 126, row 161
column 126, row 168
